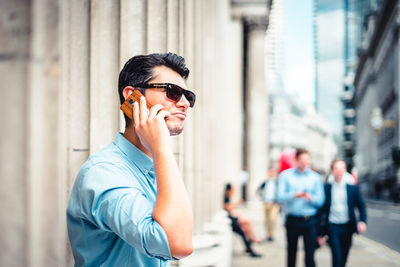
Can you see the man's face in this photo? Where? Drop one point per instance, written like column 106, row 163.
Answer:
column 178, row 110
column 303, row 160
column 338, row 169
column 272, row 173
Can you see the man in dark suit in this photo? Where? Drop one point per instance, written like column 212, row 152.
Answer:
column 338, row 218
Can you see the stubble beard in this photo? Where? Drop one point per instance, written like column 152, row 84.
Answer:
column 175, row 129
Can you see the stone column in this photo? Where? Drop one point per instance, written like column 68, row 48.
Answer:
column 208, row 118
column 74, row 133
column 133, row 38
column 228, row 94
column 157, row 21
column 173, row 26
column 256, row 104
column 44, row 110
column 104, row 70
column 198, row 148
column 14, row 55
column 76, row 58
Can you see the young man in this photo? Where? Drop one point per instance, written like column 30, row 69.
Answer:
column 129, row 206
column 301, row 192
column 346, row 177
column 338, row 218
column 271, row 208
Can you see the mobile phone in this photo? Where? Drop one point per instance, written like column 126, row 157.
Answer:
column 126, row 107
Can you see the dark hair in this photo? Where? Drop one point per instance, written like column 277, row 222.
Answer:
column 335, row 161
column 228, row 187
column 301, row 151
column 139, row 69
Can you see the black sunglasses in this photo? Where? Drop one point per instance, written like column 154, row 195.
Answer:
column 174, row 92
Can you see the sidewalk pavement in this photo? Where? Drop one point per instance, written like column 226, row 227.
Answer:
column 364, row 252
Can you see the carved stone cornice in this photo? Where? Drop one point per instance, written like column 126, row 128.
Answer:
column 255, row 23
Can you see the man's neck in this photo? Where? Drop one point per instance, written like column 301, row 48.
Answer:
column 302, row 169
column 338, row 181
column 132, row 137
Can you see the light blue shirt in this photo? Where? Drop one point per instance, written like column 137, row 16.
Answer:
column 291, row 182
column 109, row 215
column 270, row 190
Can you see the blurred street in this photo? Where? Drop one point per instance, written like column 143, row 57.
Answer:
column 364, row 252
column 383, row 223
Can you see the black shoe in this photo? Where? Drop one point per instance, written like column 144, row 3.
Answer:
column 270, row 239
column 255, row 255
column 252, row 253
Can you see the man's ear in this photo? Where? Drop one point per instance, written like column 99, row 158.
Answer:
column 128, row 90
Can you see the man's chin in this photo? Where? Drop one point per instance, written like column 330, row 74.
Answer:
column 175, row 127
column 175, row 130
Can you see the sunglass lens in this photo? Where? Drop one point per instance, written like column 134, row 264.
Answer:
column 174, row 93
column 191, row 97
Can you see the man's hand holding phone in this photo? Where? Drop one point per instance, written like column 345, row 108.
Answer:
column 150, row 126
column 303, row 195
column 148, row 121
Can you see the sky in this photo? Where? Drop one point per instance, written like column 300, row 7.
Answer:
column 299, row 67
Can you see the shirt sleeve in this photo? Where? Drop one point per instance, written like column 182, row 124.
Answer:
column 115, row 204
column 360, row 204
column 284, row 192
column 318, row 194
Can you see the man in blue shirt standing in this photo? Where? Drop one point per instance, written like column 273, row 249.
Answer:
column 128, row 205
column 301, row 192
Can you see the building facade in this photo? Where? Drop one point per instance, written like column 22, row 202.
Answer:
column 59, row 64
column 356, row 18
column 329, row 62
column 376, row 91
column 292, row 126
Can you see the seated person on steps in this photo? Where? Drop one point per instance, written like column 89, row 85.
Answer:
column 240, row 224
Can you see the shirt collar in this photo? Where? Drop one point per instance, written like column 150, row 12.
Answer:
column 306, row 170
column 341, row 184
column 134, row 154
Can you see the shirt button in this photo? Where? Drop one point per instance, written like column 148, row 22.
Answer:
column 145, row 171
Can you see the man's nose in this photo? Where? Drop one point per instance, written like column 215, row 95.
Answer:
column 183, row 102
